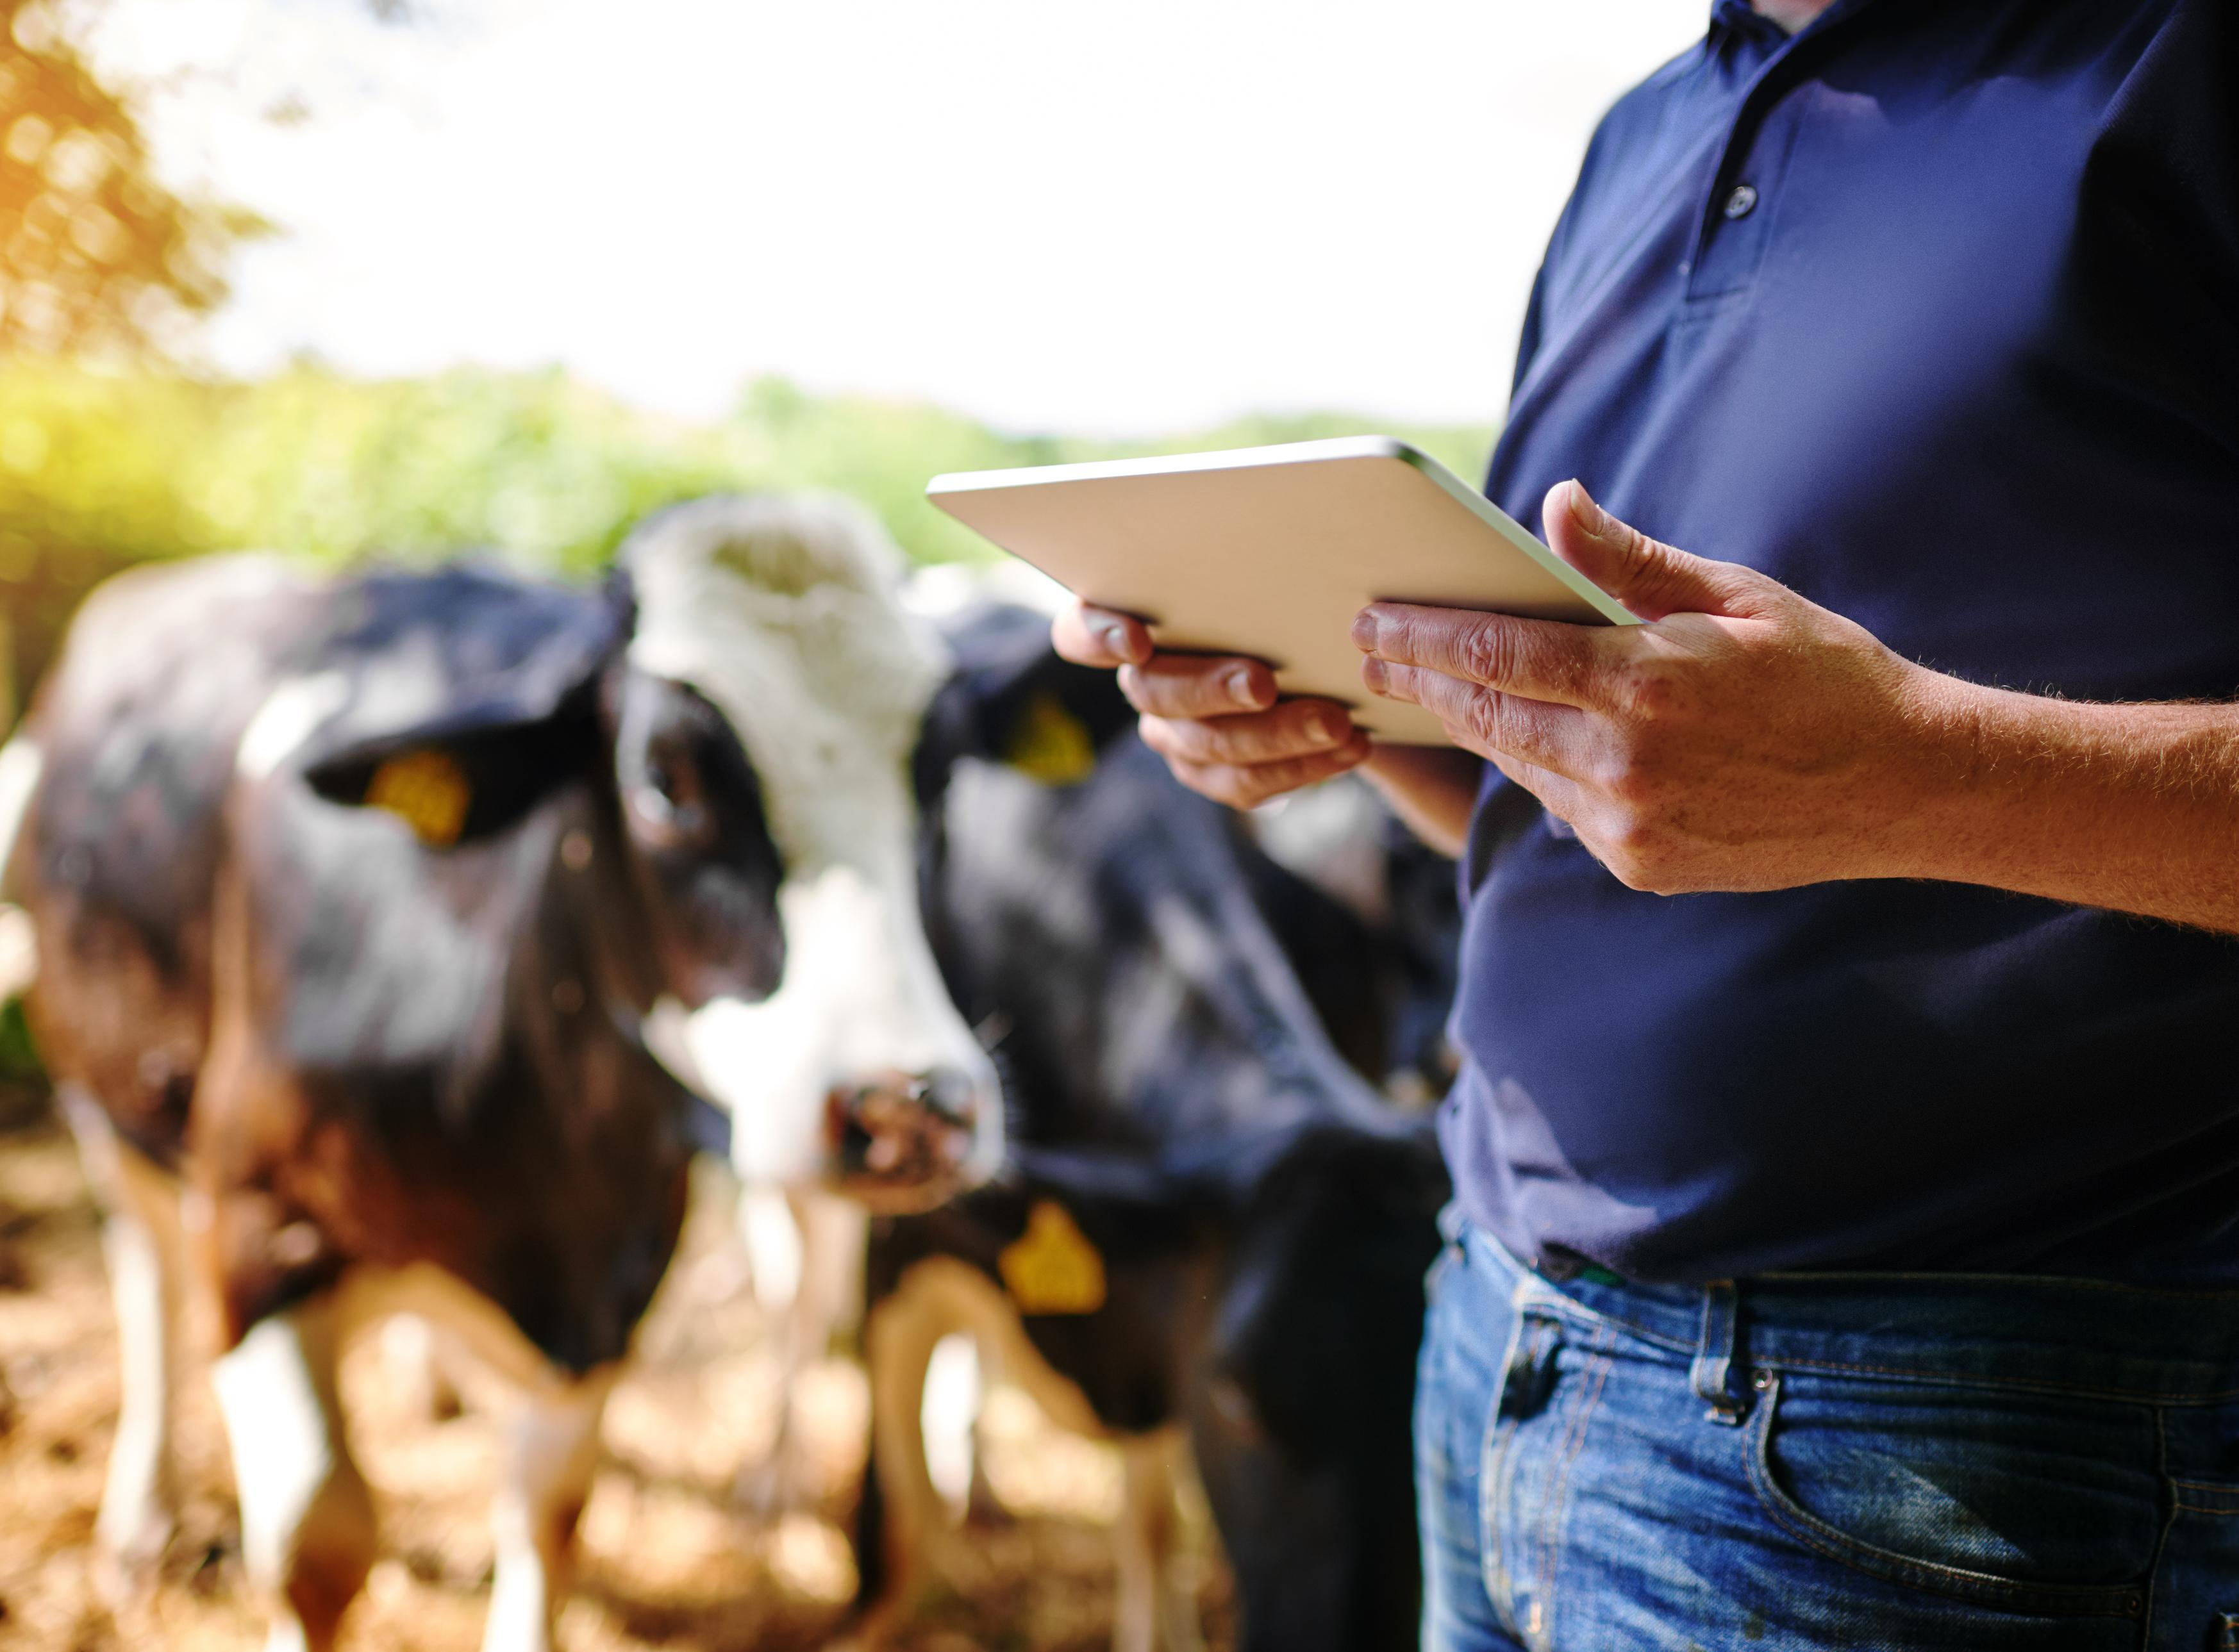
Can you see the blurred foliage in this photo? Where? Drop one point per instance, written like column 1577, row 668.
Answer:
column 19, row 1062
column 102, row 469
column 95, row 253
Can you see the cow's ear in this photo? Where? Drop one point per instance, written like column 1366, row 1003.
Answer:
column 458, row 783
column 1011, row 699
column 504, row 681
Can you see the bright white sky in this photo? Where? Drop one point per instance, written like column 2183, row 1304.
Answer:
column 1052, row 214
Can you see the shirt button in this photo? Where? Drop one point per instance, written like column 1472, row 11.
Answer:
column 1739, row 203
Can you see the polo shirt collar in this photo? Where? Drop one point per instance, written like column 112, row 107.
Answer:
column 1738, row 17
column 1739, row 20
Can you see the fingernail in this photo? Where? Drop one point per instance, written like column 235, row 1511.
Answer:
column 1372, row 673
column 1319, row 729
column 1587, row 514
column 1115, row 637
column 1365, row 629
column 1241, row 688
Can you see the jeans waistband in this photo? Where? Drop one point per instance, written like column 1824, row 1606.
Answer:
column 2079, row 1337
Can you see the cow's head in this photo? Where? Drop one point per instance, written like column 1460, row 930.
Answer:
column 461, row 700
column 859, row 1069
column 700, row 845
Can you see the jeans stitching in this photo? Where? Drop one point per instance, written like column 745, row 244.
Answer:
column 2094, row 1600
column 2160, row 1538
column 1596, row 1378
column 2212, row 1488
column 1554, row 1304
column 1496, row 1462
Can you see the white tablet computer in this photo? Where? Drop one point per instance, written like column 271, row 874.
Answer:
column 1271, row 551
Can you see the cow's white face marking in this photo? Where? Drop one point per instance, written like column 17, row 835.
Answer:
column 861, row 996
column 783, row 612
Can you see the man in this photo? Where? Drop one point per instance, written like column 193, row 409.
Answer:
column 1845, row 1249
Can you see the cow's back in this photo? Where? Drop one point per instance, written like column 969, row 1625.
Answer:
column 139, row 730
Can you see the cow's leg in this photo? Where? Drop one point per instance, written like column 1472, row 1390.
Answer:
column 776, row 1242
column 307, row 1522
column 899, row 1338
column 805, row 1253
column 949, row 1419
column 1152, row 1608
column 551, row 1453
column 139, row 1243
column 981, row 1505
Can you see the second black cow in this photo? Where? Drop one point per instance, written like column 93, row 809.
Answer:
column 1215, row 1232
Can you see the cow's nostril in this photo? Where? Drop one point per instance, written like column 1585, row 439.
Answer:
column 950, row 1093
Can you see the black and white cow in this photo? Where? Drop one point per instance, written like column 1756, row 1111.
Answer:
column 351, row 900
column 1214, row 1230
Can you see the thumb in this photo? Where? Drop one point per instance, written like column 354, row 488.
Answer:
column 1651, row 577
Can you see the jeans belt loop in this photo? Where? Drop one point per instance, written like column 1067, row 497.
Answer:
column 1711, row 1375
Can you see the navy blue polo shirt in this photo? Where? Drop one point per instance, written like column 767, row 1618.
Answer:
column 1932, row 313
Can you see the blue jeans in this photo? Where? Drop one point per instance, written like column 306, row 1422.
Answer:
column 1840, row 1460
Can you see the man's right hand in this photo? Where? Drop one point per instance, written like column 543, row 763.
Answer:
column 1216, row 720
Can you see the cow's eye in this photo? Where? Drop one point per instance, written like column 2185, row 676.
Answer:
column 668, row 799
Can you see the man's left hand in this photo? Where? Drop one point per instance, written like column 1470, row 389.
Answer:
column 1743, row 739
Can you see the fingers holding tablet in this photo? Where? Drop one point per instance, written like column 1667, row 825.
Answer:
column 1245, row 758
column 1246, row 786
column 1297, row 728
column 1218, row 721
column 1092, row 636
column 1186, row 685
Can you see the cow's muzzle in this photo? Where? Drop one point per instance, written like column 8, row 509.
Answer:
column 901, row 1142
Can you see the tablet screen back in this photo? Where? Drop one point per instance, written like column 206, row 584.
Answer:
column 1271, row 551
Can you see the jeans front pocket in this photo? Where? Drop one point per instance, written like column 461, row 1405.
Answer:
column 2015, row 1501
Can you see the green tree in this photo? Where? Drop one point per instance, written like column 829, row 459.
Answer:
column 95, row 253
column 97, row 257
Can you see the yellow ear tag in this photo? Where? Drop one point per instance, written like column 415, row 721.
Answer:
column 1049, row 744
column 428, row 791
column 1052, row 1268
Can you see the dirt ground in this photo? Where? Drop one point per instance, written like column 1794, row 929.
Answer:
column 670, row 1560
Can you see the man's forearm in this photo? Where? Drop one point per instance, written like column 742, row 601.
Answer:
column 2134, row 807
column 1745, row 737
